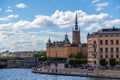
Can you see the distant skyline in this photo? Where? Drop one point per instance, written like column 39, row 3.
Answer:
column 26, row 25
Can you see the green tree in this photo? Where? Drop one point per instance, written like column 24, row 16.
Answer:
column 112, row 62
column 103, row 62
column 80, row 55
column 40, row 55
column 78, row 59
column 71, row 56
column 77, row 62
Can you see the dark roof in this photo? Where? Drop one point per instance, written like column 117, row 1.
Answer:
column 74, row 45
column 84, row 44
column 59, row 43
column 106, row 31
column 109, row 30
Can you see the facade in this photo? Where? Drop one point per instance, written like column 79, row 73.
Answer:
column 103, row 44
column 63, row 49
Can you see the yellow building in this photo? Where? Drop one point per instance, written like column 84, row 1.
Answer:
column 64, row 49
column 103, row 44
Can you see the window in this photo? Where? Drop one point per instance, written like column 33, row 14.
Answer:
column 117, row 42
column 117, row 35
column 101, row 56
column 100, row 35
column 111, row 50
column 117, row 63
column 94, row 56
column 117, row 56
column 111, row 35
column 106, row 62
column 94, row 62
column 101, row 42
column 94, row 42
column 106, row 56
column 94, row 49
column 117, row 50
column 111, row 56
column 106, row 35
column 106, row 50
column 106, row 42
column 111, row 42
column 101, row 50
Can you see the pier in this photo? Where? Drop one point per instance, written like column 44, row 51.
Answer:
column 79, row 72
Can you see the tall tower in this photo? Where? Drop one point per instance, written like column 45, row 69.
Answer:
column 76, row 33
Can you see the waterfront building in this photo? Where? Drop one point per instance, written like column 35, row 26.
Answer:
column 64, row 49
column 103, row 44
column 20, row 54
column 23, row 54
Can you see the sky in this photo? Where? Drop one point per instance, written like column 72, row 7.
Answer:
column 26, row 25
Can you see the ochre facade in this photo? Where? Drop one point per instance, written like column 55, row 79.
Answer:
column 63, row 49
column 62, row 52
column 104, row 44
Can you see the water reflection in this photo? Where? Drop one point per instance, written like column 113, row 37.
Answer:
column 26, row 74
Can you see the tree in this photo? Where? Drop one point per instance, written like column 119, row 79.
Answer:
column 112, row 62
column 103, row 62
column 77, row 62
column 78, row 59
column 71, row 56
column 40, row 55
column 80, row 56
column 37, row 55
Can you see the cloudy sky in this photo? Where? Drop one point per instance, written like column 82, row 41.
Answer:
column 27, row 24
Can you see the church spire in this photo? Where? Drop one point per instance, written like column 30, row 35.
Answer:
column 49, row 41
column 66, row 37
column 76, row 22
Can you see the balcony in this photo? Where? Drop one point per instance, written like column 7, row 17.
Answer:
column 111, row 52
column 101, row 52
column 94, row 52
column 106, row 52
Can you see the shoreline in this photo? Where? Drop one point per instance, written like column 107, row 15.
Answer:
column 107, row 76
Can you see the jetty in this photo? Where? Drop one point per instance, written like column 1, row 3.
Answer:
column 110, row 74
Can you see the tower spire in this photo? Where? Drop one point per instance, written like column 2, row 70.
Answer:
column 66, row 36
column 49, row 40
column 76, row 22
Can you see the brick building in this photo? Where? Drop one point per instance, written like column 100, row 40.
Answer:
column 63, row 49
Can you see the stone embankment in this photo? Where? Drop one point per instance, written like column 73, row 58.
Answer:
column 112, row 74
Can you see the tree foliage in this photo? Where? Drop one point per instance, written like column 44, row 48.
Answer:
column 78, row 59
column 112, row 62
column 103, row 62
column 75, row 62
column 41, row 55
column 80, row 55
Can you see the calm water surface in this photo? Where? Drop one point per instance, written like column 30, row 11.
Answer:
column 26, row 74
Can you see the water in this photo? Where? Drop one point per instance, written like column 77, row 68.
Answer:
column 26, row 74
